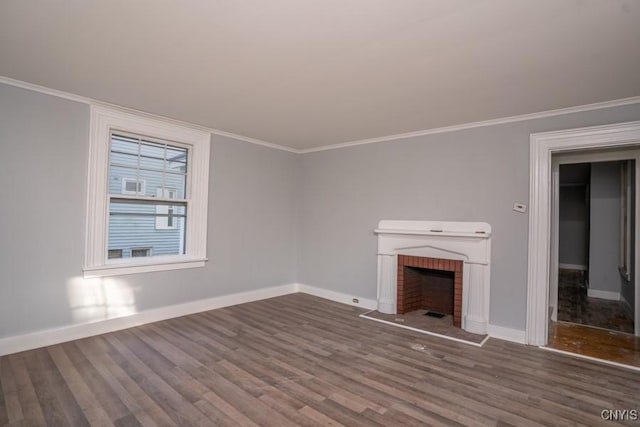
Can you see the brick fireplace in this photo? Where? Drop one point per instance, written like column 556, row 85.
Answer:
column 430, row 284
column 441, row 266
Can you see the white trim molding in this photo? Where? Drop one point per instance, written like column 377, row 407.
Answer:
column 464, row 126
column 503, row 120
column 54, row 336
column 370, row 304
column 103, row 122
column 59, row 335
column 608, row 295
column 506, row 334
column 542, row 147
column 94, row 102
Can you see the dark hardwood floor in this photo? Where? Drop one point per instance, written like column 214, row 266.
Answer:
column 575, row 306
column 603, row 344
column 301, row 360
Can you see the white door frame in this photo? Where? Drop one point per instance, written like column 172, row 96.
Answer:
column 542, row 146
column 572, row 158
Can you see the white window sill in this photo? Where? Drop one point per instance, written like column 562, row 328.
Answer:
column 117, row 268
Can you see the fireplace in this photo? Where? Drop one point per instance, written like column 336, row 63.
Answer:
column 437, row 266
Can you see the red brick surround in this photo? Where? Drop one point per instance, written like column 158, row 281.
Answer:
column 411, row 296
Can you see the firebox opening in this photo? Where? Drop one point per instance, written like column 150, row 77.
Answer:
column 433, row 284
column 429, row 289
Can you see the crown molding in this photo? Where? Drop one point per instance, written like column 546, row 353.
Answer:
column 471, row 125
column 90, row 101
column 523, row 117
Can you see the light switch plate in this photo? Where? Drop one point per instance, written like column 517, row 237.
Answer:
column 519, row 207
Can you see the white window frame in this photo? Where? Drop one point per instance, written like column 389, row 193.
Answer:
column 104, row 120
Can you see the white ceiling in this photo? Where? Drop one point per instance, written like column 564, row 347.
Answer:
column 308, row 73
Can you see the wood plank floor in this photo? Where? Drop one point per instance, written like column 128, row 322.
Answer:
column 594, row 342
column 301, row 360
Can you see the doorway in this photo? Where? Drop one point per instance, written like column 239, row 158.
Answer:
column 595, row 222
column 539, row 275
column 592, row 286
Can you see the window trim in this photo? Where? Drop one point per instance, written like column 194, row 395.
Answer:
column 104, row 120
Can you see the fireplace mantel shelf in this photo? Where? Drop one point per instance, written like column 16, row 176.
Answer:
column 482, row 235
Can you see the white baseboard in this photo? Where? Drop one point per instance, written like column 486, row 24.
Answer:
column 68, row 333
column 59, row 335
column 573, row 267
column 475, row 325
column 507, row 334
column 370, row 304
column 594, row 293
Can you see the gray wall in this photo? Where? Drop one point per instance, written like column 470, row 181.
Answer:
column 605, row 227
column 573, row 230
column 573, row 227
column 274, row 217
column 43, row 168
column 469, row 175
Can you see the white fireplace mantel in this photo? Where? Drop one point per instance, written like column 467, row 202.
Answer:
column 469, row 242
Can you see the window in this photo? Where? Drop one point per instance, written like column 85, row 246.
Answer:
column 135, row 218
column 147, row 206
column 166, row 214
column 115, row 253
column 140, row 252
column 131, row 186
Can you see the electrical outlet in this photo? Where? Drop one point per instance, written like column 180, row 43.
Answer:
column 356, row 301
column 519, row 207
